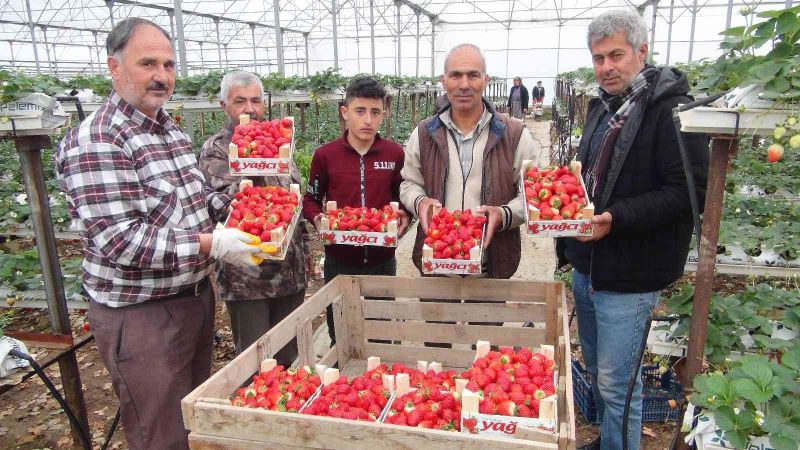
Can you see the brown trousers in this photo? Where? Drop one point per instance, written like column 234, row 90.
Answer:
column 156, row 352
column 251, row 319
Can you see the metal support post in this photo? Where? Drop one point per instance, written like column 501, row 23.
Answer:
column 723, row 149
column 691, row 31
column 226, row 55
column 110, row 4
column 372, row 32
column 202, row 61
column 97, row 51
column 33, row 35
column 416, row 53
column 651, row 51
column 30, row 158
column 399, row 43
column 334, row 20
column 174, row 42
column 669, row 28
column 253, row 40
column 729, row 13
column 305, row 39
column 433, row 48
column 182, row 53
column 47, row 50
column 278, row 35
column 219, row 43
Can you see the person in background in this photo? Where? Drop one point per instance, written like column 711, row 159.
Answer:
column 257, row 298
column 518, row 99
column 643, row 223
column 146, row 221
column 360, row 169
column 537, row 93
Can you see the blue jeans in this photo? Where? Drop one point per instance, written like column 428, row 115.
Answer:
column 611, row 327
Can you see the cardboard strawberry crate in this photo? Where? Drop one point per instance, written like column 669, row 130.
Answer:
column 556, row 228
column 358, row 238
column 261, row 166
column 281, row 239
column 359, row 320
column 447, row 266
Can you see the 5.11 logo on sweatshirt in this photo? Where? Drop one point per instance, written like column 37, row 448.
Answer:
column 384, row 165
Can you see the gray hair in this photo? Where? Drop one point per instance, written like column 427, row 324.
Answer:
column 461, row 46
column 119, row 36
column 241, row 79
column 614, row 21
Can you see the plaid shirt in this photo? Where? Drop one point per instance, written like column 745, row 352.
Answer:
column 271, row 279
column 140, row 201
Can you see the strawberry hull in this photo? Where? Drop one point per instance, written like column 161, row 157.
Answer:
column 536, row 227
column 263, row 166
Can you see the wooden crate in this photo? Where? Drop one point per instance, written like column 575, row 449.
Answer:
column 214, row 423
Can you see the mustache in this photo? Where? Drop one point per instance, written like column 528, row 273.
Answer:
column 157, row 85
column 469, row 92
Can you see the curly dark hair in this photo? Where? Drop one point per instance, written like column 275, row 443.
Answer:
column 364, row 87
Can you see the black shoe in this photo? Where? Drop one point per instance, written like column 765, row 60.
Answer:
column 594, row 445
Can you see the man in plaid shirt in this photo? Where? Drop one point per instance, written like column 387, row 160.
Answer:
column 256, row 298
column 145, row 219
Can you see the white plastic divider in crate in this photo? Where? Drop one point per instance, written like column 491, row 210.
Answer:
column 471, row 266
column 387, row 238
column 261, row 166
column 556, row 228
column 474, row 422
column 278, row 237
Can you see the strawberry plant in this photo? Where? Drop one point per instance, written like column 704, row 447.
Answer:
column 757, row 396
column 362, row 399
column 279, row 389
column 742, row 62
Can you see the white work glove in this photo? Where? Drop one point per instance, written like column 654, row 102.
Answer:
column 235, row 247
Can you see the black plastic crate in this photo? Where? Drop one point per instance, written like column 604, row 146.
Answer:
column 657, row 391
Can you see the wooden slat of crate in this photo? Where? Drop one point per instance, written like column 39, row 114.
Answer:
column 467, row 312
column 459, row 333
column 409, row 355
column 326, row 432
column 223, row 383
column 449, row 288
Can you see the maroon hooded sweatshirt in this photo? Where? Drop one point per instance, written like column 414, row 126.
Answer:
column 341, row 174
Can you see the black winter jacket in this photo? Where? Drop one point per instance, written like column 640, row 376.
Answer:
column 645, row 192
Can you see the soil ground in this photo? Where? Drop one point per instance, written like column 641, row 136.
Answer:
column 31, row 419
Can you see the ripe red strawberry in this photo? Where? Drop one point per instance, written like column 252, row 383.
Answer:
column 413, row 418
column 507, row 408
column 524, row 411
column 487, row 406
column 517, row 397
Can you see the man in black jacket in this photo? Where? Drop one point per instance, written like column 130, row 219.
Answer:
column 635, row 178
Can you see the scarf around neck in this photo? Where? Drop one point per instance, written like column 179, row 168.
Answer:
column 621, row 106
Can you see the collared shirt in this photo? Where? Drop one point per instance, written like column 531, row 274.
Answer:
column 271, row 278
column 140, row 202
column 465, row 143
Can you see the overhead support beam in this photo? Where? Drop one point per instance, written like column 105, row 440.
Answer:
column 276, row 6
column 418, row 9
column 335, row 20
column 197, row 14
column 33, row 35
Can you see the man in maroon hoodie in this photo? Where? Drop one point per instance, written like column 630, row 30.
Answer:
column 360, row 169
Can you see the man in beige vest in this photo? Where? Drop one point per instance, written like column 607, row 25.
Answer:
column 468, row 156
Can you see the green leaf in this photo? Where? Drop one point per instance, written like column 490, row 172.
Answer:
column 751, row 391
column 739, row 439
column 757, row 367
column 726, row 418
column 766, row 71
column 783, row 442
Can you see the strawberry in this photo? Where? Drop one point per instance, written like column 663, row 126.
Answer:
column 413, row 418
column 487, row 406
column 507, row 408
column 517, row 397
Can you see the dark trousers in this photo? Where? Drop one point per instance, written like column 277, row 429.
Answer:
column 251, row 319
column 334, row 268
column 156, row 352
